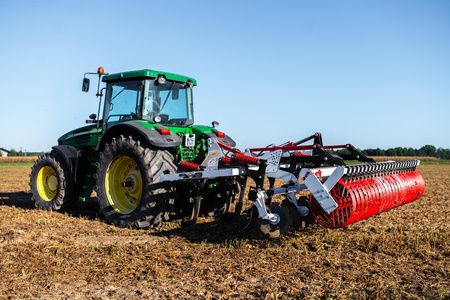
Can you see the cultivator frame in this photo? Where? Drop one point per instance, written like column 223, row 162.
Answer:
column 340, row 194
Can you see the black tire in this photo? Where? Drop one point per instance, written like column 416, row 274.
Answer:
column 127, row 183
column 51, row 183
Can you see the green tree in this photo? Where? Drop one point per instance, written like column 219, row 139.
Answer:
column 443, row 153
column 410, row 152
column 12, row 152
column 428, row 150
column 374, row 152
column 381, row 152
column 399, row 151
column 391, row 152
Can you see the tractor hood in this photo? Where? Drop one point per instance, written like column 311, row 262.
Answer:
column 83, row 136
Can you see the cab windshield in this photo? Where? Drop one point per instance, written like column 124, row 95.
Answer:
column 143, row 99
column 171, row 101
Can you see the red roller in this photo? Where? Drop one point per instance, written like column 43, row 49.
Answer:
column 359, row 199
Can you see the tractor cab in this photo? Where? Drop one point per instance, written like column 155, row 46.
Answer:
column 158, row 101
column 156, row 97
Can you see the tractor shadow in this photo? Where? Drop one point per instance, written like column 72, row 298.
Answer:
column 206, row 230
column 88, row 209
column 81, row 209
column 16, row 199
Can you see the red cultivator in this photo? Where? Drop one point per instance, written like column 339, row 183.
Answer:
column 339, row 194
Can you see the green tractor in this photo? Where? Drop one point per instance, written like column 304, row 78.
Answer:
column 146, row 129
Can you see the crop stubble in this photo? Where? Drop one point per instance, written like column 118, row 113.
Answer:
column 403, row 253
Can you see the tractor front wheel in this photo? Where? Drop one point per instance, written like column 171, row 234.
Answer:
column 51, row 183
column 128, row 188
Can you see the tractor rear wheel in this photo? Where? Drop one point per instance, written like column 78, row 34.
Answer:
column 128, row 188
column 51, row 183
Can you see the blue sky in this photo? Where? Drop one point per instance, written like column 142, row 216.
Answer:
column 370, row 73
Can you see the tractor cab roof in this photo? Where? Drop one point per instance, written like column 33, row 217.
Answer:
column 146, row 73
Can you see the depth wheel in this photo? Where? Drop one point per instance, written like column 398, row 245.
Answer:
column 129, row 191
column 282, row 227
column 51, row 183
column 303, row 218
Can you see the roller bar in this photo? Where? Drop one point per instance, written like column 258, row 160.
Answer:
column 382, row 167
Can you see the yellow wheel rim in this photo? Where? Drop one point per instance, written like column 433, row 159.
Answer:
column 123, row 183
column 47, row 183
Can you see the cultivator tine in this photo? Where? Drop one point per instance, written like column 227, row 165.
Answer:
column 229, row 214
column 240, row 202
column 192, row 218
column 252, row 213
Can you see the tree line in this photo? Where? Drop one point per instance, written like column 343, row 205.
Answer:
column 427, row 150
column 13, row 152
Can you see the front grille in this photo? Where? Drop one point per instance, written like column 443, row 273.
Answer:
column 83, row 138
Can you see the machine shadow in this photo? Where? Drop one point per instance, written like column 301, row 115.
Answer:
column 214, row 231
column 209, row 231
column 81, row 209
column 16, row 199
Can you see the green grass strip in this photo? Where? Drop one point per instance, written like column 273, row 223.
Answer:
column 24, row 164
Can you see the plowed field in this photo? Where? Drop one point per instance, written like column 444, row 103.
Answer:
column 400, row 254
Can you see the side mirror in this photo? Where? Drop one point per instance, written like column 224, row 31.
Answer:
column 92, row 118
column 85, row 87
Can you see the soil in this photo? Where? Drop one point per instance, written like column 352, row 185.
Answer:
column 400, row 254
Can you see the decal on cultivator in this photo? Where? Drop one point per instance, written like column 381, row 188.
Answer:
column 147, row 162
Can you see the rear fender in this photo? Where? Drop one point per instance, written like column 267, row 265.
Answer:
column 225, row 140
column 153, row 137
column 75, row 159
